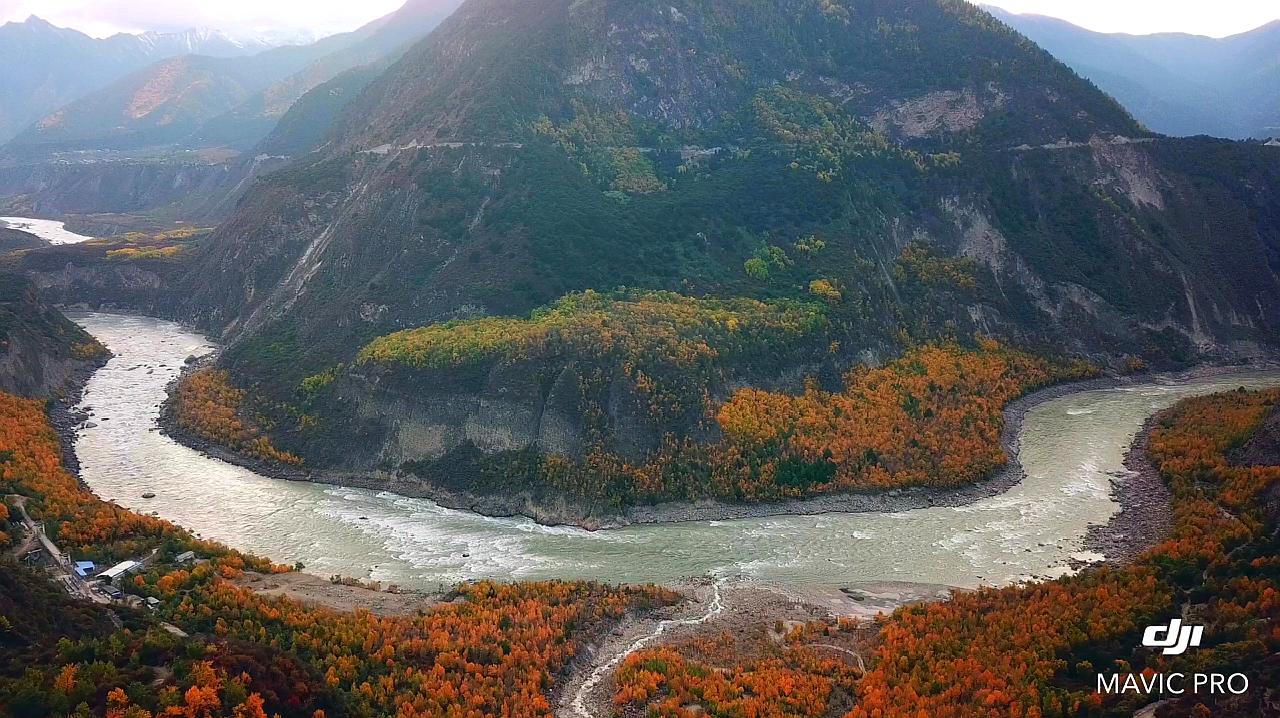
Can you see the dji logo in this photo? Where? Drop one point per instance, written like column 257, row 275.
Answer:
column 1174, row 638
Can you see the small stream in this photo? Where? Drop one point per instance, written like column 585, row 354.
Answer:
column 1070, row 447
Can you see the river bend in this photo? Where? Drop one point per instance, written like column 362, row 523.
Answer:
column 1070, row 446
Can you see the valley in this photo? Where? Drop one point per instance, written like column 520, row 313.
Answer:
column 1070, row 449
column 635, row 359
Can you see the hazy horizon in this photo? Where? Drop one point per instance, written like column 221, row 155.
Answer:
column 102, row 18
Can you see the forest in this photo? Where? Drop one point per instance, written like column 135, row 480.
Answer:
column 208, row 405
column 639, row 328
column 930, row 418
column 488, row 649
column 1033, row 651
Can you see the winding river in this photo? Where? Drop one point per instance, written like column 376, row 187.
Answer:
column 1070, row 446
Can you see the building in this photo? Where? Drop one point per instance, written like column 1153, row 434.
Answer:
column 84, row 569
column 118, row 571
column 186, row 557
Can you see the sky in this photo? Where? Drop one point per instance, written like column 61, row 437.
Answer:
column 104, row 17
column 1216, row 18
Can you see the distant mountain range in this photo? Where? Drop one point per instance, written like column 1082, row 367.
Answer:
column 186, row 90
column 1174, row 83
column 47, row 66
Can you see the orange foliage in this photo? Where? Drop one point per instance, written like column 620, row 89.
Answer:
column 997, row 652
column 81, row 522
column 493, row 651
column 208, row 405
column 1032, row 651
column 795, row 680
column 933, row 417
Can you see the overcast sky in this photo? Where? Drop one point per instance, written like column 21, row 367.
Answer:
column 103, row 17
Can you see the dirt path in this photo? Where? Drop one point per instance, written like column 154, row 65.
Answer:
column 578, row 705
column 60, row 565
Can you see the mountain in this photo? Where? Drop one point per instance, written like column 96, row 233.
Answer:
column 373, row 44
column 48, row 66
column 195, row 101
column 1177, row 84
column 567, row 194
column 490, row 108
column 42, row 353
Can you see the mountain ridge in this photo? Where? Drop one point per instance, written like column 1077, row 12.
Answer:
column 1176, row 83
column 194, row 101
column 848, row 156
column 50, row 66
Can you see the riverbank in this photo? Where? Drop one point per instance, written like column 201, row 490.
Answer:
column 554, row 510
column 1145, row 518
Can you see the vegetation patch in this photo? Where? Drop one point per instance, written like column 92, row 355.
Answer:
column 207, row 404
column 932, row 418
column 1035, row 650
column 491, row 649
column 636, row 327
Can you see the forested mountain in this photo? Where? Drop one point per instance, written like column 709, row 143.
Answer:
column 837, row 181
column 194, row 101
column 47, row 66
column 1174, row 83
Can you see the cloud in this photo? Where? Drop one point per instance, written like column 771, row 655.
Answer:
column 104, row 17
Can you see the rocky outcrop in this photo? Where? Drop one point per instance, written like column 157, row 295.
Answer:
column 57, row 189
column 405, row 418
column 87, row 276
column 42, row 354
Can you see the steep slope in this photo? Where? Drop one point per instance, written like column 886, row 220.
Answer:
column 489, row 108
column 1176, row 84
column 177, row 140
column 12, row 240
column 832, row 183
column 162, row 103
column 196, row 101
column 42, row 353
column 47, row 66
column 374, row 44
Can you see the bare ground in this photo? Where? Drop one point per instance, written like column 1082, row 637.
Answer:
column 314, row 590
column 749, row 612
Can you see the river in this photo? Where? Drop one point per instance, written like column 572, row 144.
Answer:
column 51, row 231
column 1069, row 447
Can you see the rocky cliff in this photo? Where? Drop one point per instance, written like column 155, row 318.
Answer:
column 42, row 354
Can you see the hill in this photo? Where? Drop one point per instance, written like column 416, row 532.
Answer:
column 1177, row 84
column 48, row 66
column 911, row 173
column 194, row 101
column 42, row 353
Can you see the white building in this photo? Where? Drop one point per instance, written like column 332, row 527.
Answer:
column 116, row 572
